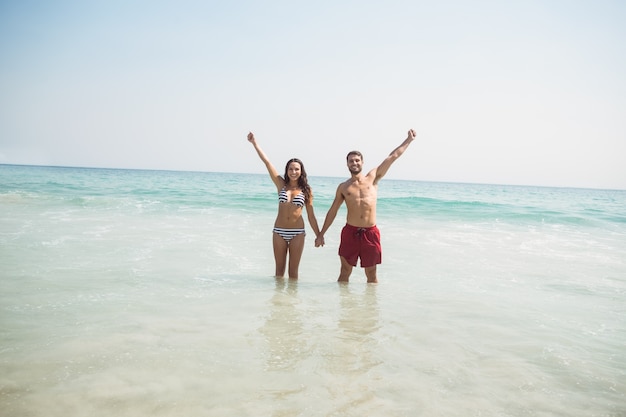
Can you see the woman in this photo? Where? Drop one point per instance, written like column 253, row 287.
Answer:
column 294, row 193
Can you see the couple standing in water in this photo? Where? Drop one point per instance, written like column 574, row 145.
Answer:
column 360, row 237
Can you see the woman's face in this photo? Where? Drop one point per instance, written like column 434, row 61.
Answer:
column 294, row 171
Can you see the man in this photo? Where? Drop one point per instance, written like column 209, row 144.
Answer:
column 360, row 237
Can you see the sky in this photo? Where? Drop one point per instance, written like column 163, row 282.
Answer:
column 526, row 92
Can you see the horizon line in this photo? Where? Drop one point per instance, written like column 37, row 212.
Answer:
column 319, row 176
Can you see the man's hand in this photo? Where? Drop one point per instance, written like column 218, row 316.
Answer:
column 251, row 138
column 319, row 241
column 411, row 135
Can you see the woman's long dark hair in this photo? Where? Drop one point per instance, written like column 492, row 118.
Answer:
column 303, row 182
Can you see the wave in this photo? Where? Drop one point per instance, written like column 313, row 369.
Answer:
column 172, row 192
column 494, row 211
column 143, row 200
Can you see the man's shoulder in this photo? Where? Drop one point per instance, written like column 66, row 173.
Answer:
column 345, row 185
column 342, row 186
column 361, row 181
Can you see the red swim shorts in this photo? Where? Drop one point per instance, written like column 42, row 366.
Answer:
column 361, row 242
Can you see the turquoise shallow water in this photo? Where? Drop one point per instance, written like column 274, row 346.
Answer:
column 150, row 293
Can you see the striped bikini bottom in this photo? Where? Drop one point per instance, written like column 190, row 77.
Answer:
column 288, row 234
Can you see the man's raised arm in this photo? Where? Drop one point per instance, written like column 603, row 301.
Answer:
column 394, row 155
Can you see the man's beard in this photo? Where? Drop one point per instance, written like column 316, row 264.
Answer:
column 355, row 170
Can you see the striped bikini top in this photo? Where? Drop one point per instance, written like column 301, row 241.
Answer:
column 298, row 200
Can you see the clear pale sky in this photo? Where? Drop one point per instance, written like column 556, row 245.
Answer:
column 528, row 92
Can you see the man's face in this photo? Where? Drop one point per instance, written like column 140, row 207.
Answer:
column 355, row 164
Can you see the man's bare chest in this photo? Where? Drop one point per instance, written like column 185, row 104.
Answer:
column 360, row 192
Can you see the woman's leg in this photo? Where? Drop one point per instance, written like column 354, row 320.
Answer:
column 280, row 254
column 296, row 247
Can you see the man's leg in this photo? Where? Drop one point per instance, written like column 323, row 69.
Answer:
column 370, row 273
column 346, row 270
column 371, row 252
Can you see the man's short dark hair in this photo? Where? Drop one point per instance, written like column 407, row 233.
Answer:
column 357, row 153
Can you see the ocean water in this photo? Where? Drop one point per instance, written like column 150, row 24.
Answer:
column 150, row 293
